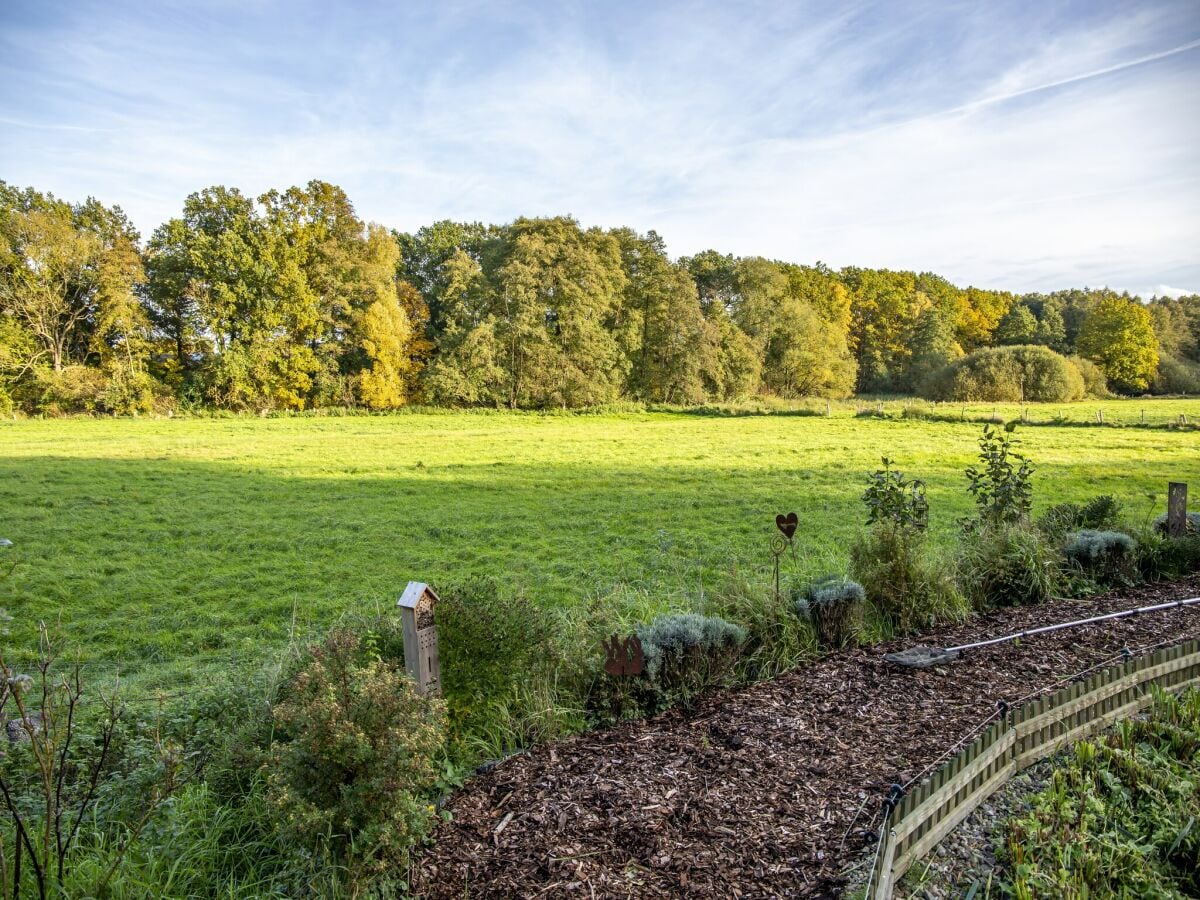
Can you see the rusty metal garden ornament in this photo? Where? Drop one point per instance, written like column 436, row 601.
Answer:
column 624, row 656
column 787, row 524
column 782, row 542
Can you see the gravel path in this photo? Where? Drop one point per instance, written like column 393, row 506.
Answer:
column 758, row 792
column 967, row 855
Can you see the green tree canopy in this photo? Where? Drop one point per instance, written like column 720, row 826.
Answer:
column 1118, row 336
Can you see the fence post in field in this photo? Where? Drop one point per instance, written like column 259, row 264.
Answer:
column 420, row 638
column 1177, row 508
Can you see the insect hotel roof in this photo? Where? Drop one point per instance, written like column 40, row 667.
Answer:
column 420, row 598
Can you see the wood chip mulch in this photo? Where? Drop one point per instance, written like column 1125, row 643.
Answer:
column 765, row 791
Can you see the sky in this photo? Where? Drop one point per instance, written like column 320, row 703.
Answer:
column 1019, row 145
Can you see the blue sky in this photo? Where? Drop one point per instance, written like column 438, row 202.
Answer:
column 1020, row 145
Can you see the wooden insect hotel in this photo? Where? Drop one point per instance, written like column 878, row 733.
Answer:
column 420, row 637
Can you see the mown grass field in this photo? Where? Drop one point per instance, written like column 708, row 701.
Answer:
column 165, row 545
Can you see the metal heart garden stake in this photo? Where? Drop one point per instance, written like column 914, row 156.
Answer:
column 780, row 545
column 787, row 524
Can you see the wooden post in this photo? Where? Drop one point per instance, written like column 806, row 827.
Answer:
column 1177, row 509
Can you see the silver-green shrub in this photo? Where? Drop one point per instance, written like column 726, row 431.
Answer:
column 1089, row 547
column 834, row 605
column 687, row 653
column 1193, row 523
column 1106, row 556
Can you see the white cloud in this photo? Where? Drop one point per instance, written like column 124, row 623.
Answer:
column 1165, row 290
column 1000, row 150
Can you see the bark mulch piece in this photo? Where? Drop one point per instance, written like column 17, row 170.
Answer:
column 765, row 791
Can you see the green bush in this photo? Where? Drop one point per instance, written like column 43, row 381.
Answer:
column 687, row 653
column 129, row 392
column 1107, row 556
column 1009, row 375
column 1008, row 565
column 72, row 389
column 834, row 605
column 115, row 390
column 1101, row 513
column 904, row 583
column 494, row 646
column 1095, row 384
column 354, row 769
column 1176, row 376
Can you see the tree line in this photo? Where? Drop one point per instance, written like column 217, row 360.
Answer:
column 291, row 301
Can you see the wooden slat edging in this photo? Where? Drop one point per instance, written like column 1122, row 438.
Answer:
column 907, row 825
column 1100, row 691
column 888, row 876
column 933, row 837
column 1097, row 723
column 1035, row 730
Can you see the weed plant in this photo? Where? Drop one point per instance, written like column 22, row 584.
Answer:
column 1120, row 818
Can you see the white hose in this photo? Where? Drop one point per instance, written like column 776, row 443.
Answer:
column 1046, row 628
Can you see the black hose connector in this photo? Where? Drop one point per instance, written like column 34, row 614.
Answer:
column 895, row 795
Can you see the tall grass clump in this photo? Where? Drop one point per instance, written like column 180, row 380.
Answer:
column 1008, row 565
column 1160, row 556
column 1003, row 559
column 902, row 579
column 777, row 640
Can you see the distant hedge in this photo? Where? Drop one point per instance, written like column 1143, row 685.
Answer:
column 1009, row 374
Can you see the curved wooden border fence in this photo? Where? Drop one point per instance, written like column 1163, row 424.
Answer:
column 932, row 809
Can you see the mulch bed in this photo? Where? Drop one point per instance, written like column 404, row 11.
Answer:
column 766, row 791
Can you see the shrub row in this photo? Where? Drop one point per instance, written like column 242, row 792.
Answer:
column 1016, row 374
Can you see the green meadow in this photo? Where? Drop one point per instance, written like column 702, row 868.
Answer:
column 165, row 546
